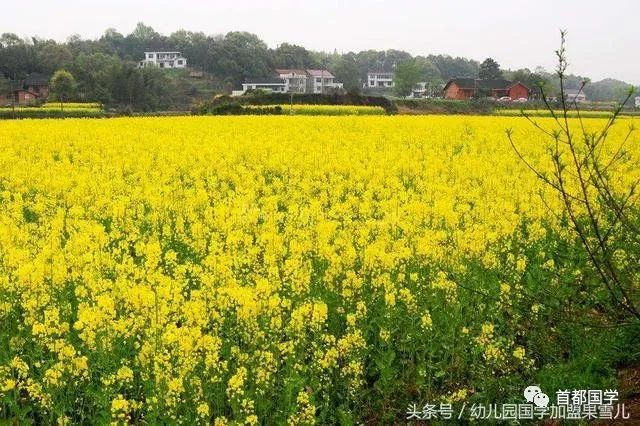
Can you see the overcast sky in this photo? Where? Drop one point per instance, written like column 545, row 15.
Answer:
column 604, row 37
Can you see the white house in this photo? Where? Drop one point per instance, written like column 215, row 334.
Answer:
column 419, row 90
column 380, row 79
column 322, row 81
column 274, row 84
column 293, row 81
column 163, row 60
column 637, row 101
column 574, row 95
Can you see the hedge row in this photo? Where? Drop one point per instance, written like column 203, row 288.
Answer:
column 224, row 104
column 7, row 114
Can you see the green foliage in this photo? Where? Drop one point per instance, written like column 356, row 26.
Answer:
column 408, row 74
column 63, row 85
column 99, row 66
column 445, row 106
column 271, row 99
column 347, row 72
column 489, row 69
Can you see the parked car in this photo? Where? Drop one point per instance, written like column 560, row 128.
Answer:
column 521, row 100
column 505, row 99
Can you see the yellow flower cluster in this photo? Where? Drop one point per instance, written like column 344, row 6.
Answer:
column 249, row 269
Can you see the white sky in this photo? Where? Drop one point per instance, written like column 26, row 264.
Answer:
column 603, row 41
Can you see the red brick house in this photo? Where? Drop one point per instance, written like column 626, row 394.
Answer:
column 34, row 89
column 24, row 97
column 467, row 88
column 37, row 84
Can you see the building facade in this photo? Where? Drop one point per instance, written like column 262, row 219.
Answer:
column 163, row 60
column 637, row 101
column 419, row 90
column 276, row 85
column 574, row 95
column 294, row 81
column 322, row 81
column 380, row 80
column 30, row 91
column 467, row 88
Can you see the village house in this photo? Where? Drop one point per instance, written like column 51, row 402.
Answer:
column 322, row 81
column 163, row 60
column 574, row 95
column 274, row 84
column 293, row 81
column 467, row 88
column 34, row 89
column 637, row 101
column 419, row 90
column 380, row 80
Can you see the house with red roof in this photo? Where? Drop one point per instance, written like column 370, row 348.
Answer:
column 467, row 88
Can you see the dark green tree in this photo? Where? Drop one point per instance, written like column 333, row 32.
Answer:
column 291, row 56
column 490, row 69
column 346, row 71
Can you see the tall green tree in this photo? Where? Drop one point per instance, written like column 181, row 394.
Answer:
column 490, row 69
column 63, row 86
column 346, row 72
column 291, row 56
column 408, row 74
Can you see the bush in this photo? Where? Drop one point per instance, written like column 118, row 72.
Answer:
column 257, row 98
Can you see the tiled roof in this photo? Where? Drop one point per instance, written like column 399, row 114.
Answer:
column 320, row 73
column 264, row 80
column 477, row 83
column 290, row 71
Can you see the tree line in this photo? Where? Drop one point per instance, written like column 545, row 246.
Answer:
column 105, row 68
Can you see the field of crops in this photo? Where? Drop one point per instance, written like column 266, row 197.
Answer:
column 572, row 113
column 53, row 110
column 68, row 106
column 277, row 269
column 328, row 109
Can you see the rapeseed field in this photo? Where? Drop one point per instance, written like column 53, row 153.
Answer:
column 247, row 270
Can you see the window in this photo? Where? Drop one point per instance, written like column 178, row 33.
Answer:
column 180, row 62
column 318, row 80
column 150, row 55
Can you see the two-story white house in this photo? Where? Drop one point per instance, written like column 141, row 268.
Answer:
column 380, row 79
column 163, row 60
column 637, row 101
column 294, row 81
column 322, row 81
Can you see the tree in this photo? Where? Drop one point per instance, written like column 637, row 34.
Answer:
column 292, row 56
column 241, row 55
column 346, row 71
column 63, row 86
column 490, row 69
column 454, row 67
column 408, row 74
column 430, row 75
column 599, row 209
